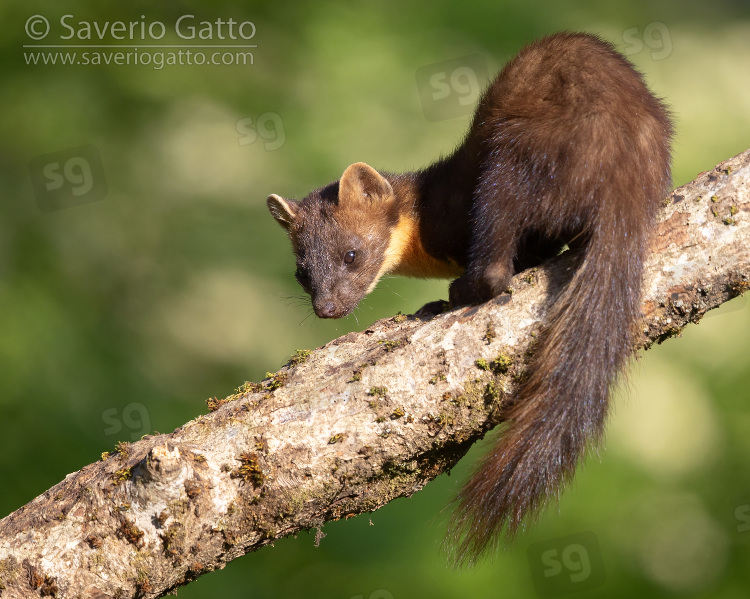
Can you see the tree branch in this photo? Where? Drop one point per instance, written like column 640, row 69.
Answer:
column 367, row 418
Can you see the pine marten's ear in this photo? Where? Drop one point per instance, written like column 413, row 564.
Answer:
column 285, row 212
column 360, row 181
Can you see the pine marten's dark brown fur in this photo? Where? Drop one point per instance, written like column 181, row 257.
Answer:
column 566, row 143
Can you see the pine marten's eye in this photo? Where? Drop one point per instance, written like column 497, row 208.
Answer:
column 303, row 278
column 349, row 256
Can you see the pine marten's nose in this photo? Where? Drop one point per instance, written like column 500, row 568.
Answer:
column 327, row 310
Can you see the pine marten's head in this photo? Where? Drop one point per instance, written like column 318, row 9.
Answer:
column 341, row 237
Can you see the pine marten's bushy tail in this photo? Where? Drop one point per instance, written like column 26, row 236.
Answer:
column 561, row 407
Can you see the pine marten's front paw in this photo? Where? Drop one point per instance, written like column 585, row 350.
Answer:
column 463, row 292
column 469, row 290
column 432, row 309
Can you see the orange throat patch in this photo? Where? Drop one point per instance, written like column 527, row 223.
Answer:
column 406, row 255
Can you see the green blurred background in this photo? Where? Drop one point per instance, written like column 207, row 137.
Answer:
column 172, row 284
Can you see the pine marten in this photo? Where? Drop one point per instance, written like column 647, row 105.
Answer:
column 566, row 143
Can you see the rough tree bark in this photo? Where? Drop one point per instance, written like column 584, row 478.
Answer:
column 367, row 418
